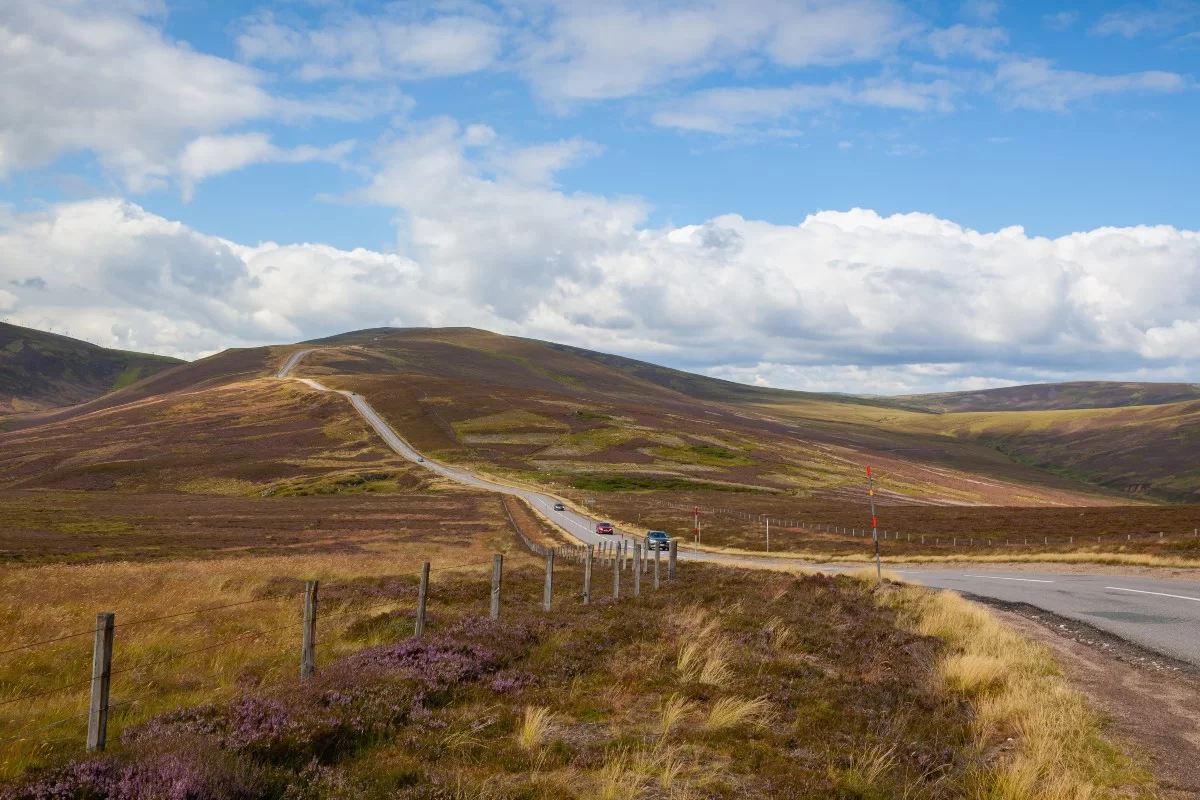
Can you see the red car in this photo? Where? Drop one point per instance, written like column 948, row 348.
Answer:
column 604, row 527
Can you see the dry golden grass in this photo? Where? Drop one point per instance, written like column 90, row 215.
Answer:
column 46, row 602
column 731, row 712
column 674, row 712
column 1083, row 556
column 1017, row 690
column 535, row 728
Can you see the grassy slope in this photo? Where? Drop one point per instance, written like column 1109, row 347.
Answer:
column 1140, row 450
column 41, row 370
column 549, row 413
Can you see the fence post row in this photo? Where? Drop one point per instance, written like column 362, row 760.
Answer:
column 101, row 677
column 422, row 600
column 308, row 653
column 497, row 577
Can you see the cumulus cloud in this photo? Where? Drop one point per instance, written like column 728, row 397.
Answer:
column 981, row 43
column 843, row 300
column 101, row 78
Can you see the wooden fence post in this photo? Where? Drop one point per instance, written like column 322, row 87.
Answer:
column 587, row 575
column 548, row 591
column 308, row 653
column 637, row 570
column 616, row 565
column 657, row 553
column 101, row 677
column 497, row 577
column 422, row 599
column 672, row 557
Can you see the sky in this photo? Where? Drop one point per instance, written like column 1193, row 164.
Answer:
column 867, row 196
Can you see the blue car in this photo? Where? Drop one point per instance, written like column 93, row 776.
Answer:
column 658, row 540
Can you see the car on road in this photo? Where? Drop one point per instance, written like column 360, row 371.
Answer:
column 604, row 528
column 559, row 507
column 657, row 540
column 420, row 460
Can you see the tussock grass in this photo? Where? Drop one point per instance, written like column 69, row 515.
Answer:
column 674, row 712
column 862, row 776
column 732, row 712
column 536, row 728
column 1018, row 690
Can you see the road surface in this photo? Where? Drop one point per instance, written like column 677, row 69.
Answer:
column 1160, row 615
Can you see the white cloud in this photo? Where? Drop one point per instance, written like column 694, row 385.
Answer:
column 8, row 300
column 984, row 44
column 1159, row 19
column 726, row 110
column 843, row 300
column 616, row 49
column 1061, row 20
column 358, row 47
column 981, row 10
column 1035, row 84
column 93, row 77
column 207, row 156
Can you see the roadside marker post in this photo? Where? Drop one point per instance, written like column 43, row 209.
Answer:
column 672, row 558
column 548, row 590
column 874, row 523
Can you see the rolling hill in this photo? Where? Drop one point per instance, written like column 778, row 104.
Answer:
column 589, row 422
column 41, row 370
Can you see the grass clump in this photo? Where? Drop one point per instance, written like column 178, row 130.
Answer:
column 1017, row 690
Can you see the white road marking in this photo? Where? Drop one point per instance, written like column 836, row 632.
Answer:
column 1002, row 578
column 1160, row 594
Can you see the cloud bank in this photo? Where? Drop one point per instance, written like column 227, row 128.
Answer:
column 844, row 300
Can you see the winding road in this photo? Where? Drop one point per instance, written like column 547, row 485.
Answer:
column 1160, row 615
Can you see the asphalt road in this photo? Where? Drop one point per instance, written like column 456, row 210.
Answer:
column 1159, row 615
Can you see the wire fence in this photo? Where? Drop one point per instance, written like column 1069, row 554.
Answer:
column 618, row 556
column 938, row 540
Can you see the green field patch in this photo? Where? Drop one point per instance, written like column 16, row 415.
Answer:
column 599, row 482
column 130, row 376
column 15, row 346
column 506, row 421
column 701, row 454
column 516, row 437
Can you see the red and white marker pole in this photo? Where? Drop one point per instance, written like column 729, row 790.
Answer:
column 874, row 523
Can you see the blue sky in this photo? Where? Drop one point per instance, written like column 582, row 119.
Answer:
column 605, row 173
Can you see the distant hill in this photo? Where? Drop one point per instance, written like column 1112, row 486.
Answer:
column 1054, row 397
column 40, row 370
